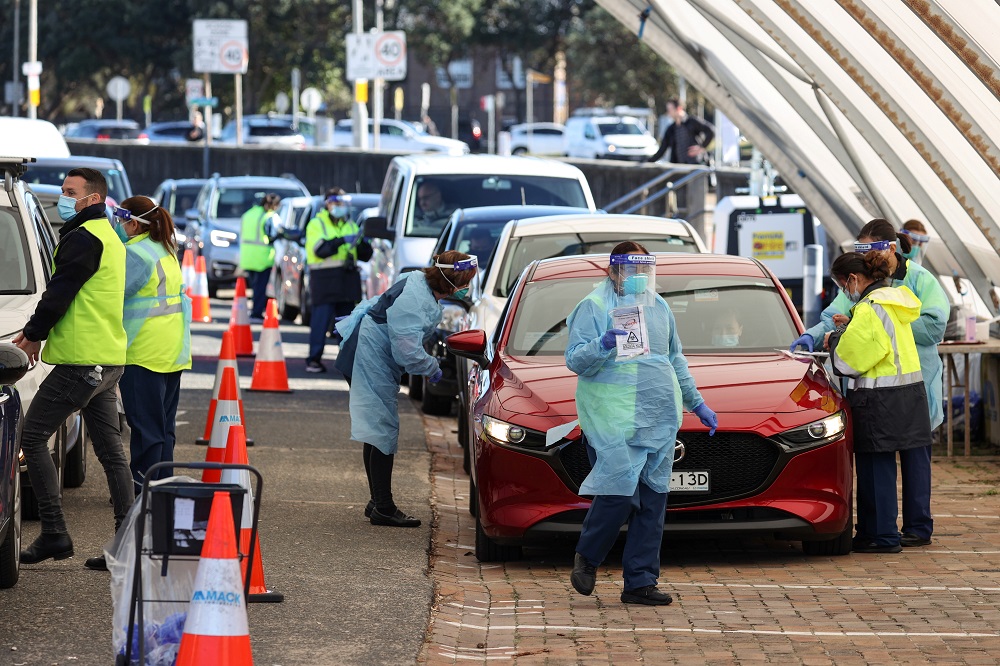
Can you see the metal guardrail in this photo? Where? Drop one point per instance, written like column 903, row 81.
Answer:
column 692, row 173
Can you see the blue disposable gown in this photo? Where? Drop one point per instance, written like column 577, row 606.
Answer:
column 928, row 329
column 384, row 353
column 629, row 411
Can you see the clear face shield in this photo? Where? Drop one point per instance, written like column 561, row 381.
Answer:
column 874, row 246
column 460, row 266
column 633, row 274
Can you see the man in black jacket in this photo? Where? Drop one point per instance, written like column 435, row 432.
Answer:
column 686, row 138
column 80, row 316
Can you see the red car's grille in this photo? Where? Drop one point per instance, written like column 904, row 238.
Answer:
column 739, row 463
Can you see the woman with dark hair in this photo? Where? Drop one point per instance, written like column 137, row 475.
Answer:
column 383, row 338
column 876, row 349
column 157, row 323
column 880, row 237
column 630, row 404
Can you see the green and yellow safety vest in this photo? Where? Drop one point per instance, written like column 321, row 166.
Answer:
column 91, row 331
column 323, row 228
column 256, row 252
column 157, row 312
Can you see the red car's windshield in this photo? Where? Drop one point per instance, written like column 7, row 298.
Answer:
column 713, row 314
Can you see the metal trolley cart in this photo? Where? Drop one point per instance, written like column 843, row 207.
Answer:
column 163, row 505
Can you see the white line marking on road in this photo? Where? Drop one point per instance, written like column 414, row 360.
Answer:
column 964, row 515
column 860, row 588
column 459, row 545
column 476, row 657
column 695, row 630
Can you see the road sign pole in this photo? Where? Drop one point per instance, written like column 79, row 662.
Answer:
column 118, row 109
column 15, row 107
column 206, row 116
column 360, row 109
column 296, row 84
column 239, row 109
column 33, row 95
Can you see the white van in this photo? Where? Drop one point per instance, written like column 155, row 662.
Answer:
column 609, row 137
column 463, row 182
column 31, row 138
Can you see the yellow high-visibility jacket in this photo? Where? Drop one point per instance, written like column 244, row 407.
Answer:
column 877, row 350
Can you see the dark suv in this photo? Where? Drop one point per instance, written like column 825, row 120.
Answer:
column 214, row 224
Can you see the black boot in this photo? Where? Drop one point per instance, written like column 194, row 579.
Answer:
column 385, row 511
column 367, row 454
column 56, row 546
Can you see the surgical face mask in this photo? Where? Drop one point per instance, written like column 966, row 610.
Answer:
column 725, row 340
column 120, row 231
column 634, row 285
column 67, row 207
column 339, row 211
column 461, row 294
column 914, row 255
column 853, row 296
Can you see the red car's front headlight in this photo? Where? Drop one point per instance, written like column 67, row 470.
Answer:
column 814, row 434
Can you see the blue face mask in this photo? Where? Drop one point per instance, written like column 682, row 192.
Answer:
column 120, row 231
column 725, row 340
column 461, row 294
column 67, row 207
column 635, row 284
column 339, row 211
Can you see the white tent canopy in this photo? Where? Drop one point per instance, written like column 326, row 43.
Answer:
column 868, row 108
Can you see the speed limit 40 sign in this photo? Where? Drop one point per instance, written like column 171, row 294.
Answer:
column 220, row 46
column 390, row 55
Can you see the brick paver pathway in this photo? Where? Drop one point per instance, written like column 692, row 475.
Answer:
column 735, row 601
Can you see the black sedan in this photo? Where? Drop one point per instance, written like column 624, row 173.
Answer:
column 13, row 365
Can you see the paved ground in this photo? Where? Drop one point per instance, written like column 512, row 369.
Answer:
column 735, row 602
column 363, row 595
column 355, row 593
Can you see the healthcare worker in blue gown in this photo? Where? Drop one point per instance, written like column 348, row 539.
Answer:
column 630, row 412
column 928, row 331
column 383, row 338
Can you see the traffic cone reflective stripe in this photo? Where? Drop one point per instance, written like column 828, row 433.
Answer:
column 227, row 359
column 200, row 310
column 269, row 370
column 188, row 272
column 216, row 630
column 236, row 454
column 227, row 414
column 239, row 321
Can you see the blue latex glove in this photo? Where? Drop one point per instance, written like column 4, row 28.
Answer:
column 436, row 377
column 349, row 239
column 608, row 340
column 805, row 340
column 708, row 418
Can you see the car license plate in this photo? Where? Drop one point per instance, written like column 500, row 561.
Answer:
column 689, row 482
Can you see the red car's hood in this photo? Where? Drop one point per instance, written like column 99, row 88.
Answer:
column 765, row 383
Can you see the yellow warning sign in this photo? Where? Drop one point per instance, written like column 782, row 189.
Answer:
column 768, row 245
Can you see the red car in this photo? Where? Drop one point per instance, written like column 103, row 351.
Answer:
column 780, row 464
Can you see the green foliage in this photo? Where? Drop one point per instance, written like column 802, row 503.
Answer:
column 608, row 64
column 439, row 31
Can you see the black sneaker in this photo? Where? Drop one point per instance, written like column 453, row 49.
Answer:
column 874, row 547
column 99, row 563
column 648, row 596
column 909, row 540
column 584, row 576
column 397, row 519
column 369, row 508
column 315, row 366
column 55, row 546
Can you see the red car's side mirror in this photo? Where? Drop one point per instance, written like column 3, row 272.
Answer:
column 470, row 345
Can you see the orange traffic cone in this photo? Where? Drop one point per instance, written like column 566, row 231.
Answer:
column 199, row 294
column 236, row 454
column 227, row 414
column 216, row 630
column 239, row 321
column 188, row 272
column 227, row 359
column 269, row 371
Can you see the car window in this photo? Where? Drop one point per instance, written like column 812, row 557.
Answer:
column 234, row 201
column 478, row 239
column 522, row 250
column 43, row 232
column 174, row 131
column 271, row 130
column 15, row 265
column 55, row 175
column 184, row 199
column 549, row 131
column 468, row 191
column 702, row 305
column 619, row 128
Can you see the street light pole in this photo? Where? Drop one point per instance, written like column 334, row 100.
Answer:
column 32, row 51
column 360, row 109
column 15, row 97
column 377, row 99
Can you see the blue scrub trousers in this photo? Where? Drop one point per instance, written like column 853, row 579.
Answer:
column 644, row 513
column 877, row 508
column 915, row 468
column 150, row 401
column 319, row 323
column 258, row 282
